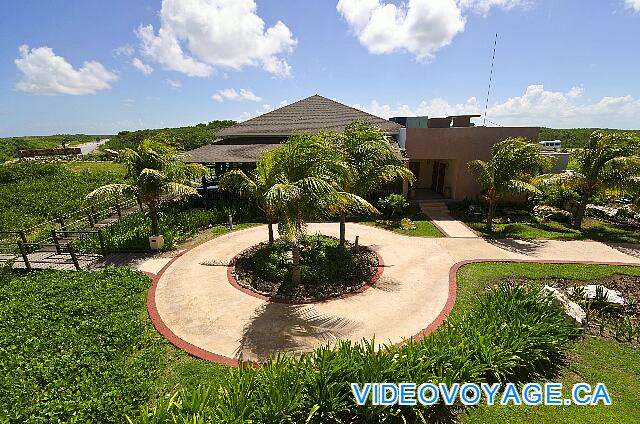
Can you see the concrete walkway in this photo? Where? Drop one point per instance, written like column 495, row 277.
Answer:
column 439, row 214
column 193, row 304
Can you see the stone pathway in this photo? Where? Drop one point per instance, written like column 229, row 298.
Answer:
column 439, row 214
column 194, row 305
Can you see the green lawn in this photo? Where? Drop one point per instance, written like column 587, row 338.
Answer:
column 96, row 166
column 590, row 359
column 424, row 228
column 530, row 228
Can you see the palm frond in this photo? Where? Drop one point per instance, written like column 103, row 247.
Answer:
column 111, row 191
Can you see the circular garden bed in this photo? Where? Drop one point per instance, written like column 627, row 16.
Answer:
column 327, row 269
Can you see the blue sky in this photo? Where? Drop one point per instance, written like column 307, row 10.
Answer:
column 69, row 66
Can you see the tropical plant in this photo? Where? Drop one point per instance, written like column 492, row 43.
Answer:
column 608, row 161
column 371, row 160
column 513, row 163
column 393, row 205
column 157, row 176
column 304, row 167
column 256, row 185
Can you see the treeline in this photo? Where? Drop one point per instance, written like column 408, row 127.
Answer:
column 183, row 138
column 575, row 137
column 9, row 146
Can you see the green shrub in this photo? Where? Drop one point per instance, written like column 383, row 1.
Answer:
column 394, row 205
column 73, row 347
column 177, row 223
column 556, row 196
column 511, row 334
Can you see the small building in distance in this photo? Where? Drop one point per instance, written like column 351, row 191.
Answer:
column 436, row 149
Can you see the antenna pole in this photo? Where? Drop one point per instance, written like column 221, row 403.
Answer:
column 493, row 59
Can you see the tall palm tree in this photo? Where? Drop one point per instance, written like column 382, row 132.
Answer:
column 372, row 160
column 608, row 161
column 304, row 168
column 157, row 175
column 255, row 185
column 513, row 163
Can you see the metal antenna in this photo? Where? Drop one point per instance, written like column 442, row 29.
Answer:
column 493, row 59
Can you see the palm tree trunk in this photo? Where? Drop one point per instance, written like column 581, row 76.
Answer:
column 490, row 213
column 582, row 207
column 270, row 224
column 153, row 212
column 295, row 271
column 343, row 219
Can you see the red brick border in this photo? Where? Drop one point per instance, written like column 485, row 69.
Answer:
column 198, row 352
column 232, row 280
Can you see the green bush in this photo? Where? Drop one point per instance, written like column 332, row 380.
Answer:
column 394, row 205
column 556, row 196
column 73, row 347
column 177, row 223
column 511, row 334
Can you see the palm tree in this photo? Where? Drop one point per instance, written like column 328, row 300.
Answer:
column 372, row 160
column 157, row 175
column 256, row 186
column 304, row 167
column 513, row 163
column 608, row 161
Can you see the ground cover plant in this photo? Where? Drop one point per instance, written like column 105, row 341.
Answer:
column 31, row 193
column 509, row 334
column 79, row 347
column 327, row 267
column 589, row 359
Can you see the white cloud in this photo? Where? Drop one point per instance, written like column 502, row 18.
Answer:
column 232, row 94
column 174, row 83
column 633, row 4
column 536, row 106
column 483, row 6
column 265, row 108
column 141, row 66
column 197, row 36
column 125, row 50
column 419, row 27
column 45, row 73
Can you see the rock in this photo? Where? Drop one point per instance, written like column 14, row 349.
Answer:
column 613, row 296
column 572, row 310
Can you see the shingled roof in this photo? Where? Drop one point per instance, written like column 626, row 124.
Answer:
column 312, row 114
column 238, row 150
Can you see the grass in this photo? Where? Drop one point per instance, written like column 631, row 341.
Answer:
column 528, row 227
column 424, row 228
column 590, row 359
column 96, row 166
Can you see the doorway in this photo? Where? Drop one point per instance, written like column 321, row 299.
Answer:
column 437, row 178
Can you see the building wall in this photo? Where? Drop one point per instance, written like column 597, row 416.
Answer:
column 459, row 146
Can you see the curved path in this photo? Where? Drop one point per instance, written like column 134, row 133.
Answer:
column 194, row 305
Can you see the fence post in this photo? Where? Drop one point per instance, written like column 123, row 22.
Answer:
column 61, row 222
column 93, row 215
column 74, row 258
column 102, row 246
column 118, row 210
column 23, row 237
column 139, row 204
column 25, row 256
column 90, row 218
column 54, row 236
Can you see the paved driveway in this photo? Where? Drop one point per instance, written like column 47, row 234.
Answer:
column 195, row 306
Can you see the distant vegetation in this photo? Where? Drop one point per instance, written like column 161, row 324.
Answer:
column 574, row 137
column 31, row 193
column 184, row 138
column 9, row 146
